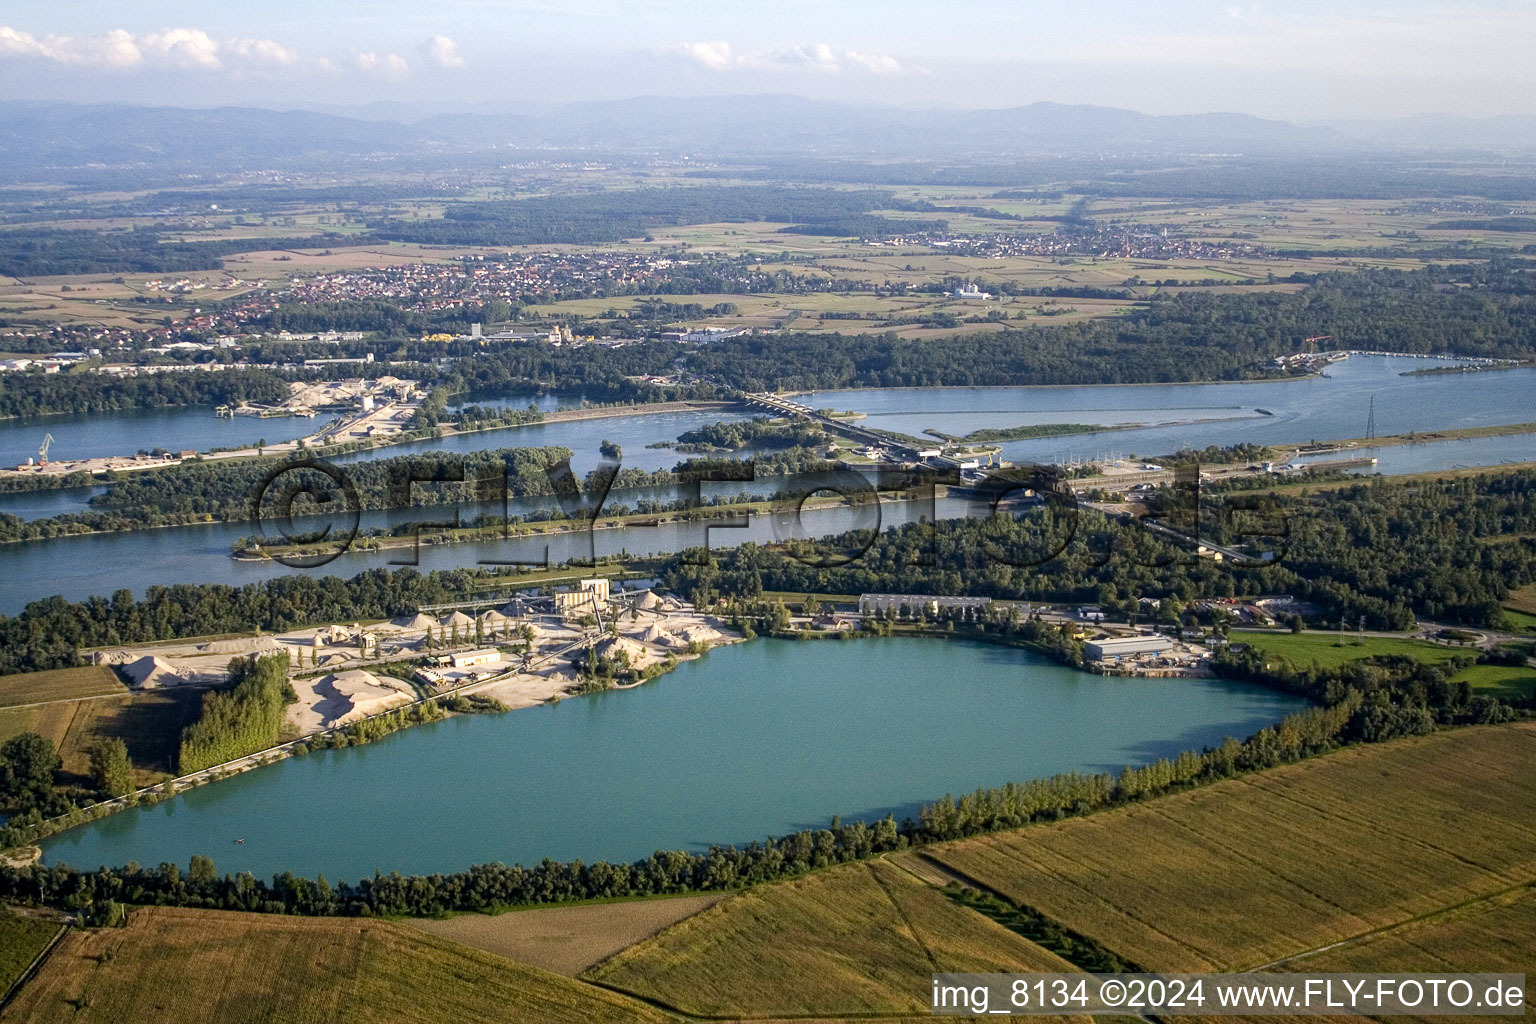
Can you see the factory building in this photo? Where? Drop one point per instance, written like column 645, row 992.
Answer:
column 1109, row 648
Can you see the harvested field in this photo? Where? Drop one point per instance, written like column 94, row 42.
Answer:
column 1491, row 935
column 568, row 940
column 1273, row 864
column 213, row 967
column 149, row 723
column 58, row 684
column 49, row 720
column 857, row 939
column 1523, row 600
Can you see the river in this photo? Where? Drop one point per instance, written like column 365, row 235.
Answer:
column 780, row 736
column 128, row 431
column 1198, row 415
column 1302, row 410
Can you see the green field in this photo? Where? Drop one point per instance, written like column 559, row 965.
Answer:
column 1272, row 865
column 216, row 967
column 22, row 938
column 1505, row 681
column 1330, row 650
column 861, row 939
column 58, row 684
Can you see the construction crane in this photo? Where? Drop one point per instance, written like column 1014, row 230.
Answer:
column 42, row 453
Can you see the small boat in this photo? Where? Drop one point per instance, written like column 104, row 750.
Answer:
column 239, row 840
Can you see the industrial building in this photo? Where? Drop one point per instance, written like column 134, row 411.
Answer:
column 912, row 605
column 1108, row 648
column 580, row 599
column 469, row 659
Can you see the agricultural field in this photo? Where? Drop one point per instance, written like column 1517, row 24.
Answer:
column 1495, row 935
column 1272, row 865
column 567, row 940
column 22, row 938
column 149, row 723
column 58, row 684
column 1521, row 609
column 1523, row 600
column 218, row 967
column 860, row 939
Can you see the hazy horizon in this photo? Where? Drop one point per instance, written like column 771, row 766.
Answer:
column 1305, row 63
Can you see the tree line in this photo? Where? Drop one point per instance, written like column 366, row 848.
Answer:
column 48, row 252
column 242, row 719
column 1377, row 551
column 40, row 394
column 612, row 215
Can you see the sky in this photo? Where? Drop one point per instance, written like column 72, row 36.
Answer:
column 1298, row 60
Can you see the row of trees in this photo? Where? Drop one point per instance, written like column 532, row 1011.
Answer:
column 241, row 720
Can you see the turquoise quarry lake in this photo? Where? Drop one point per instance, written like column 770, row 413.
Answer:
column 751, row 740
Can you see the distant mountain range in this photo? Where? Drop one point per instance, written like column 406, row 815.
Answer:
column 38, row 138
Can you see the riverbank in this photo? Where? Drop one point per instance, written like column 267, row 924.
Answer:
column 551, row 527
column 321, row 444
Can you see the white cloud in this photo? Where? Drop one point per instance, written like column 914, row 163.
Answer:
column 182, row 47
column 391, row 64
column 261, row 51
column 875, row 63
column 117, row 49
column 186, row 48
column 818, row 58
column 714, row 56
column 443, row 52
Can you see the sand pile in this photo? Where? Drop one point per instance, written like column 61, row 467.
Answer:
column 151, row 672
column 702, row 634
column 635, row 650
column 241, row 645
column 458, row 619
column 657, row 635
column 346, row 697
column 647, row 601
column 417, row 621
